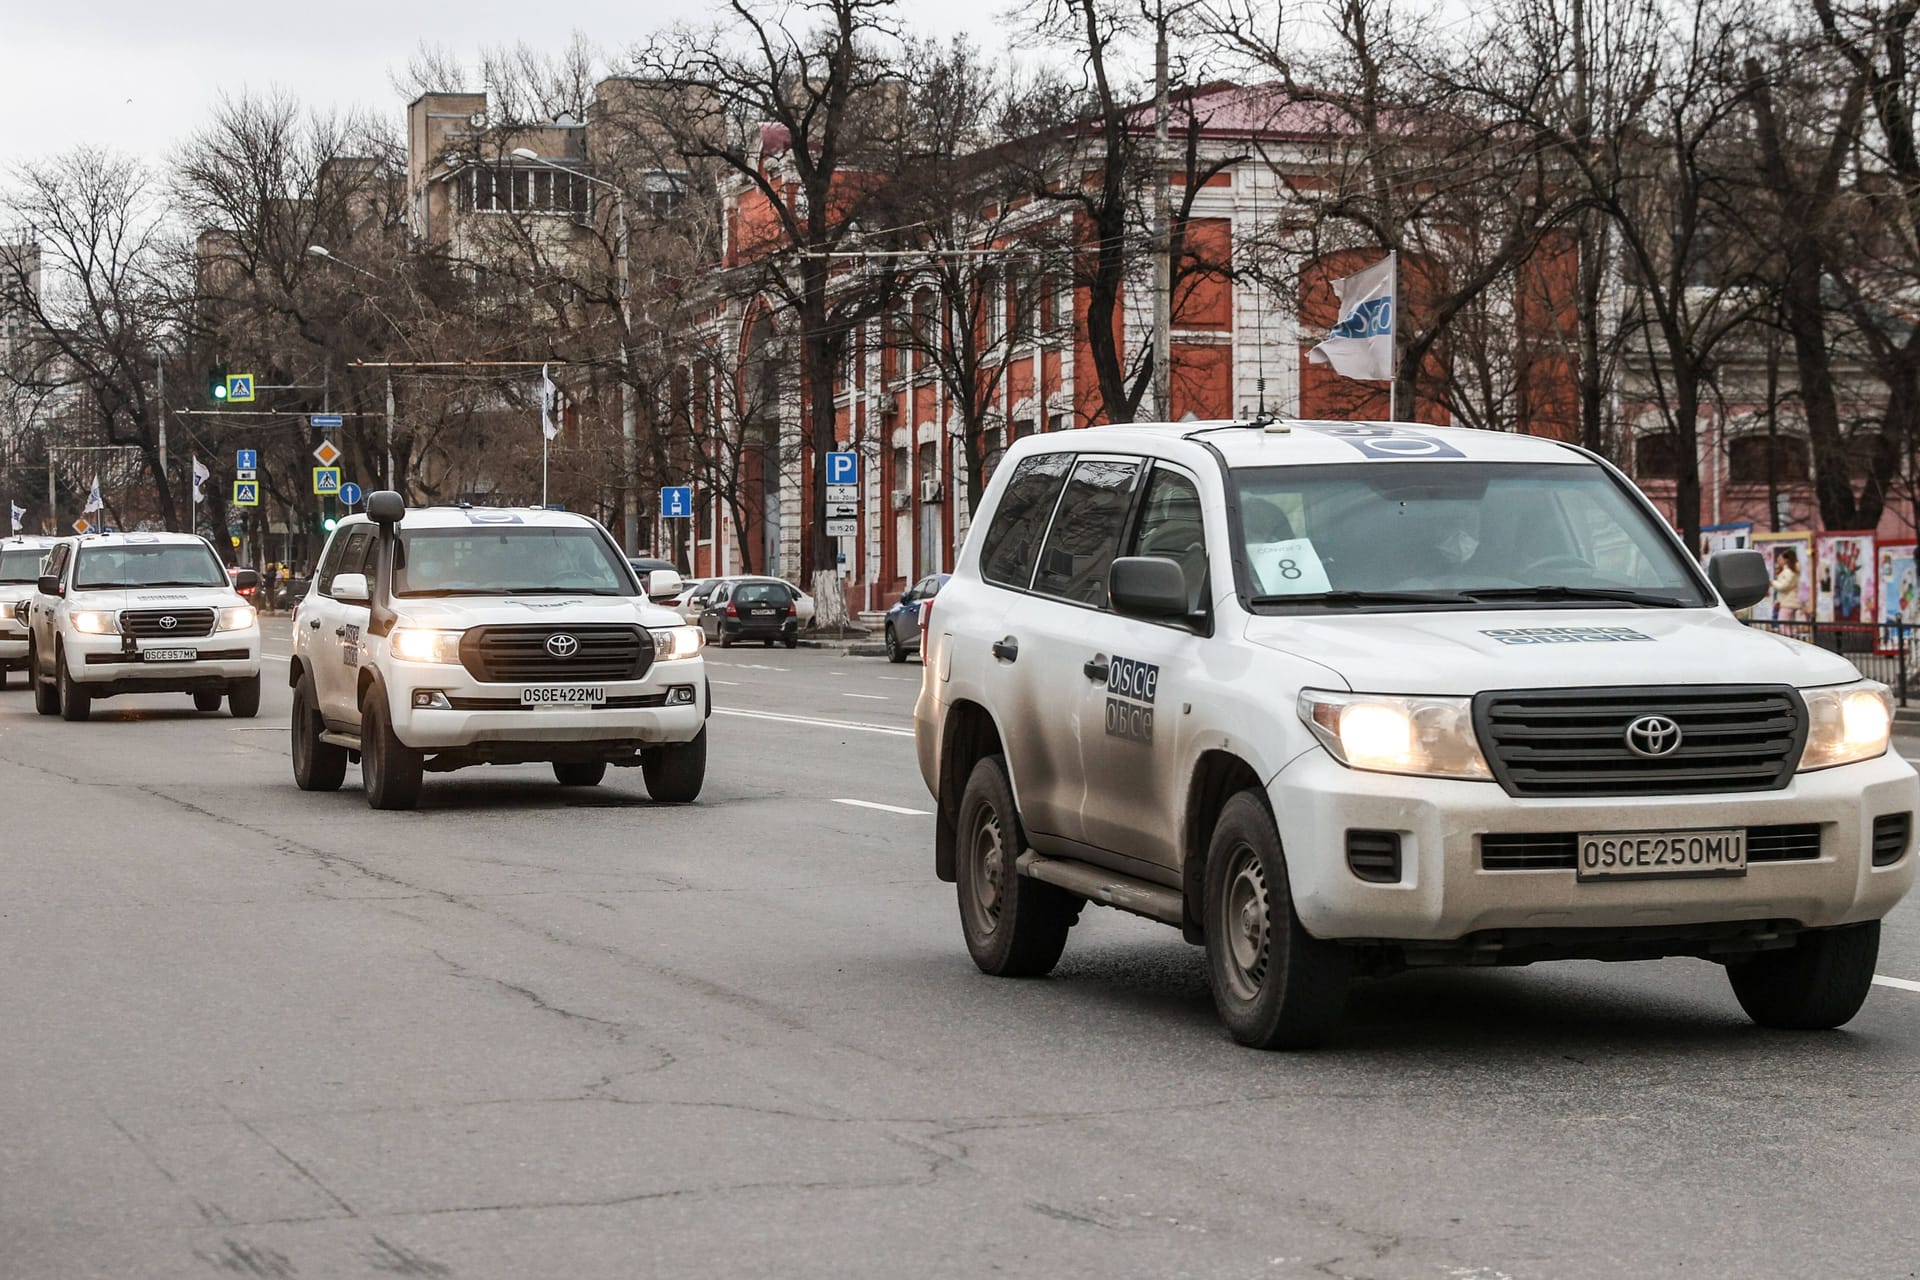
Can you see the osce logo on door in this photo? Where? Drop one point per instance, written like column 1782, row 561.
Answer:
column 1131, row 688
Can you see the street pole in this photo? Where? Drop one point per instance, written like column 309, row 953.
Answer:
column 1162, row 231
column 630, row 516
column 160, row 376
column 389, row 428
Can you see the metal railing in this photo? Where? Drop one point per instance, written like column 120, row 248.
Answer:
column 1881, row 650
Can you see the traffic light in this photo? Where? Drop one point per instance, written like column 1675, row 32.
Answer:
column 329, row 524
column 217, row 381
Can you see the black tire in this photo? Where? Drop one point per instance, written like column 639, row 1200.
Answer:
column 1818, row 984
column 317, row 765
column 390, row 771
column 6, row 674
column 793, row 642
column 726, row 641
column 579, row 773
column 243, row 698
column 766, row 644
column 1015, row 927
column 206, row 700
column 1275, row 985
column 76, row 703
column 46, row 698
column 896, row 652
column 676, row 772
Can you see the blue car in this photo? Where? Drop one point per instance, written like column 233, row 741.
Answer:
column 906, row 617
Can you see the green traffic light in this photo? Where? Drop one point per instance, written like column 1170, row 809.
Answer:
column 329, row 524
column 220, row 392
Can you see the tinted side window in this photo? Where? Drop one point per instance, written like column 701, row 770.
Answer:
column 57, row 562
column 1171, row 525
column 1086, row 535
column 1012, row 545
column 346, row 555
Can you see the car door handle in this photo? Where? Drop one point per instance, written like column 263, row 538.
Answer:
column 340, row 631
column 1096, row 668
column 1007, row 649
column 315, row 624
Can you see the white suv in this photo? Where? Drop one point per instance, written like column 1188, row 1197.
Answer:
column 1341, row 698
column 439, row 638
column 21, row 559
column 141, row 613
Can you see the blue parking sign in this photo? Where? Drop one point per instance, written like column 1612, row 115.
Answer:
column 676, row 501
column 843, row 468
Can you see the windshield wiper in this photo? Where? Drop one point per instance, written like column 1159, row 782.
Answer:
column 1624, row 595
column 560, row 591
column 1364, row 597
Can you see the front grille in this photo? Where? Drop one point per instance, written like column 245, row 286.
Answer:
column 1558, row 850
column 1374, row 856
column 153, row 624
column 1573, row 742
column 1891, row 831
column 516, row 654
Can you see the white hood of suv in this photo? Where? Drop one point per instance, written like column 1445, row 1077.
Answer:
column 456, row 613
column 1466, row 652
column 155, row 598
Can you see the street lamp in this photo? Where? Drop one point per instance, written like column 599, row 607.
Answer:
column 321, row 251
column 629, row 451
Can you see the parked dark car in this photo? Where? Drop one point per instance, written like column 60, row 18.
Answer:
column 904, row 619
column 754, row 610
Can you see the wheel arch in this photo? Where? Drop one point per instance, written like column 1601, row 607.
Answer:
column 1218, row 776
column 968, row 736
column 295, row 669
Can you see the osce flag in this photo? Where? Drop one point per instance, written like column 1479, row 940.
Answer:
column 1361, row 344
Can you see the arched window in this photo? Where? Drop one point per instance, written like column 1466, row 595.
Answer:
column 1656, row 456
column 1764, row 459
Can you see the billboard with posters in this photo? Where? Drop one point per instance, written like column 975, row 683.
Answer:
column 1899, row 591
column 1790, row 569
column 1844, row 588
column 1725, row 537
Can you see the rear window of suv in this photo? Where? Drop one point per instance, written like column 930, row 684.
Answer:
column 1011, row 548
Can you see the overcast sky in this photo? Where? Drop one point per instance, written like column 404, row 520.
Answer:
column 140, row 74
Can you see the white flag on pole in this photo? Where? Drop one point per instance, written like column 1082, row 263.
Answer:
column 93, row 497
column 200, row 476
column 19, row 514
column 1361, row 344
column 549, row 405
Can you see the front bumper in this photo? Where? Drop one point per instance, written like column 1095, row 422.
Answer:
column 474, row 713
column 115, row 660
column 1444, row 895
column 758, row 629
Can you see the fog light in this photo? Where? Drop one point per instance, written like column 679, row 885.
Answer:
column 430, row 700
column 680, row 695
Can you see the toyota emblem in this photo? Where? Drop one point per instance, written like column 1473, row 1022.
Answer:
column 562, row 645
column 1653, row 736
column 168, row 622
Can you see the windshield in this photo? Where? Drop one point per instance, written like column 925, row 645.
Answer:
column 499, row 561
column 1451, row 535
column 173, row 564
column 20, row 564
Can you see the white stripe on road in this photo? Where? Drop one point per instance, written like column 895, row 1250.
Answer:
column 871, row 697
column 854, row 725
column 725, row 682
column 887, row 808
column 277, row 657
column 1902, row 984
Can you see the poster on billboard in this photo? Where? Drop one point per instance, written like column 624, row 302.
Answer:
column 1844, row 590
column 1899, row 584
column 1789, row 559
column 1725, row 537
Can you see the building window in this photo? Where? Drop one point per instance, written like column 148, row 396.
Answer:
column 1057, row 422
column 530, row 189
column 993, row 301
column 664, row 190
column 1764, row 459
column 1656, row 456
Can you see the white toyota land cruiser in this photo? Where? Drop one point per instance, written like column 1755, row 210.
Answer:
column 1341, row 698
column 439, row 638
column 20, row 561
column 141, row 613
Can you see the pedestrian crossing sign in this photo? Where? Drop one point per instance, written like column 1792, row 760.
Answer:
column 239, row 388
column 246, row 493
column 326, row 481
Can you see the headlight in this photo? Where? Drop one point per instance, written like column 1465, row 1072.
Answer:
column 673, row 643
column 236, row 617
column 411, row 644
column 8, row 610
column 1387, row 734
column 95, row 622
column 1846, row 723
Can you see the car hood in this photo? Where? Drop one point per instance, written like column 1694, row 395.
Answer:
column 156, row 598
column 17, row 590
column 1466, row 652
column 460, row 612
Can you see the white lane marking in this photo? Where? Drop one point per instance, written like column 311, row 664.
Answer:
column 854, row 725
column 277, row 657
column 898, row 679
column 872, row 697
column 886, row 808
column 727, row 682
column 1903, row 984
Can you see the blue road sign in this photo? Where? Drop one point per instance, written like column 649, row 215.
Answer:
column 843, row 468
column 246, row 459
column 325, row 420
column 246, row 493
column 326, row 481
column 676, row 501
column 350, row 494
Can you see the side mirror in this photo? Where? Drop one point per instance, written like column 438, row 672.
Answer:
column 352, row 588
column 386, row 507
column 49, row 584
column 246, row 580
column 1740, row 577
column 1148, row 587
column 664, row 584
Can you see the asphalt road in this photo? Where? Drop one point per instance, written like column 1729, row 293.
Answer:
column 525, row 1032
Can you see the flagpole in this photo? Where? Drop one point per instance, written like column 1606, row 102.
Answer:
column 1393, row 383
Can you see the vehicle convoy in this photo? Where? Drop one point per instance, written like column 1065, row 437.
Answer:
column 20, row 561
column 1337, row 699
column 141, row 613
column 444, row 637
